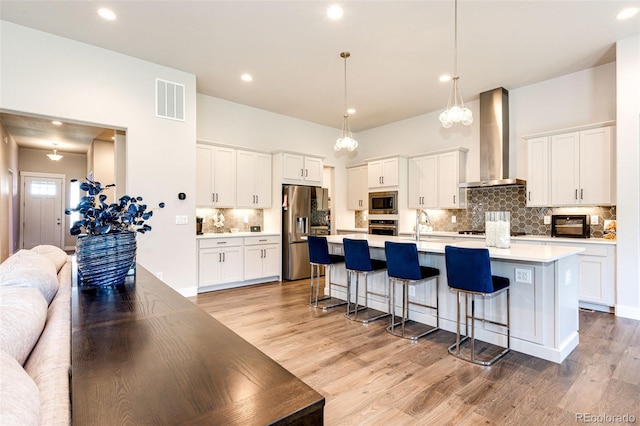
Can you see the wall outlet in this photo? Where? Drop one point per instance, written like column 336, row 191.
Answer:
column 523, row 276
column 182, row 220
column 547, row 220
column 453, row 219
column 412, row 290
column 595, row 219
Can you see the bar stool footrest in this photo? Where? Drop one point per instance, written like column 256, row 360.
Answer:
column 413, row 330
column 328, row 303
column 366, row 315
column 473, row 357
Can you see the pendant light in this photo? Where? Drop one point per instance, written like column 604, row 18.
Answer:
column 55, row 156
column 456, row 111
column 346, row 139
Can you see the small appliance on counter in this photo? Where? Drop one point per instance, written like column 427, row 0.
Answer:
column 571, row 226
column 199, row 221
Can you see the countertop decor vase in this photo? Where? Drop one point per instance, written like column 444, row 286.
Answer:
column 105, row 260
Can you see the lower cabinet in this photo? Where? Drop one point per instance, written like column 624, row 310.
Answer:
column 219, row 261
column 261, row 257
column 228, row 262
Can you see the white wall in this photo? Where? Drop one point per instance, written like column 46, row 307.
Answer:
column 51, row 76
column 628, row 179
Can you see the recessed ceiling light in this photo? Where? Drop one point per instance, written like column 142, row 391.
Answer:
column 107, row 14
column 444, row 78
column 56, row 123
column 246, row 77
column 351, row 111
column 335, row 12
column 627, row 13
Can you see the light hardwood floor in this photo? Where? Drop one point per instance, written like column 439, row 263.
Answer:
column 371, row 377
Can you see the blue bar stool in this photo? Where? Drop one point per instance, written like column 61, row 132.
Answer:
column 359, row 262
column 319, row 256
column 403, row 266
column 469, row 273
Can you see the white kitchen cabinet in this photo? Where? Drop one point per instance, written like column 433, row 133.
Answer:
column 261, row 257
column 302, row 169
column 538, row 172
column 220, row 261
column 582, row 167
column 597, row 275
column 383, row 173
column 434, row 180
column 215, row 176
column 253, row 180
column 357, row 188
column 451, row 171
column 423, row 182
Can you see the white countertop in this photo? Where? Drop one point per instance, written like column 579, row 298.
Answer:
column 541, row 238
column 521, row 252
column 235, row 234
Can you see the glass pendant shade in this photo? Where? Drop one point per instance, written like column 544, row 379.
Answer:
column 456, row 112
column 346, row 139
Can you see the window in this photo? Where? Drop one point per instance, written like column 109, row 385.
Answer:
column 43, row 188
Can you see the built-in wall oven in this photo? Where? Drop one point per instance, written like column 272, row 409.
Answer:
column 383, row 227
column 383, row 202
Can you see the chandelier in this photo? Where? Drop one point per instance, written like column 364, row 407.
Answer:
column 346, row 139
column 55, row 156
column 456, row 111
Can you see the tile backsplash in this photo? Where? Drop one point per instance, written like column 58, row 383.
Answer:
column 241, row 219
column 528, row 220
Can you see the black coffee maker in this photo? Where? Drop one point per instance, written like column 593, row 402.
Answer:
column 199, row 221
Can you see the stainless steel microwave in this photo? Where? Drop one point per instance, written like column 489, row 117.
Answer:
column 383, row 202
column 571, row 226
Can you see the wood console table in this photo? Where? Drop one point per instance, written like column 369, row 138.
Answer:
column 143, row 354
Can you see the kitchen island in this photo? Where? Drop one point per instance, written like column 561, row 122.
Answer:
column 544, row 292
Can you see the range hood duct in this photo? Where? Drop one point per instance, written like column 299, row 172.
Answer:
column 494, row 141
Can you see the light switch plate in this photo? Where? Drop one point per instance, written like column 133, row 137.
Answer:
column 547, row 220
column 453, row 219
column 182, row 220
column 595, row 219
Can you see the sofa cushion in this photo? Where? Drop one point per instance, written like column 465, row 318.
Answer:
column 29, row 269
column 53, row 253
column 19, row 395
column 23, row 313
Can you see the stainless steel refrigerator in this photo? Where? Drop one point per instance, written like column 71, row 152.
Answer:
column 296, row 223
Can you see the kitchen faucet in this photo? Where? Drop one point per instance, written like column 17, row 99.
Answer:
column 419, row 214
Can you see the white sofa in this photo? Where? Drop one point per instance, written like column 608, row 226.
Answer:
column 35, row 337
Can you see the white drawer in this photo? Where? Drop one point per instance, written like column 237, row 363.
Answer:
column 252, row 241
column 219, row 242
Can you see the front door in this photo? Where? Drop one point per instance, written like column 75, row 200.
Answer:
column 42, row 210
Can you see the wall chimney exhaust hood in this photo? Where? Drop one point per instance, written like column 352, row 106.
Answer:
column 494, row 141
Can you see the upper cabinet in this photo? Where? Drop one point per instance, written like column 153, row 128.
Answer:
column 434, row 180
column 301, row 169
column 357, row 188
column 383, row 173
column 538, row 172
column 253, row 180
column 582, row 167
column 215, row 176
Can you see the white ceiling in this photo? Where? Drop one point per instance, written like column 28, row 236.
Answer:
column 398, row 48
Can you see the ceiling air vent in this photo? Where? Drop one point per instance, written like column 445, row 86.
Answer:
column 169, row 100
